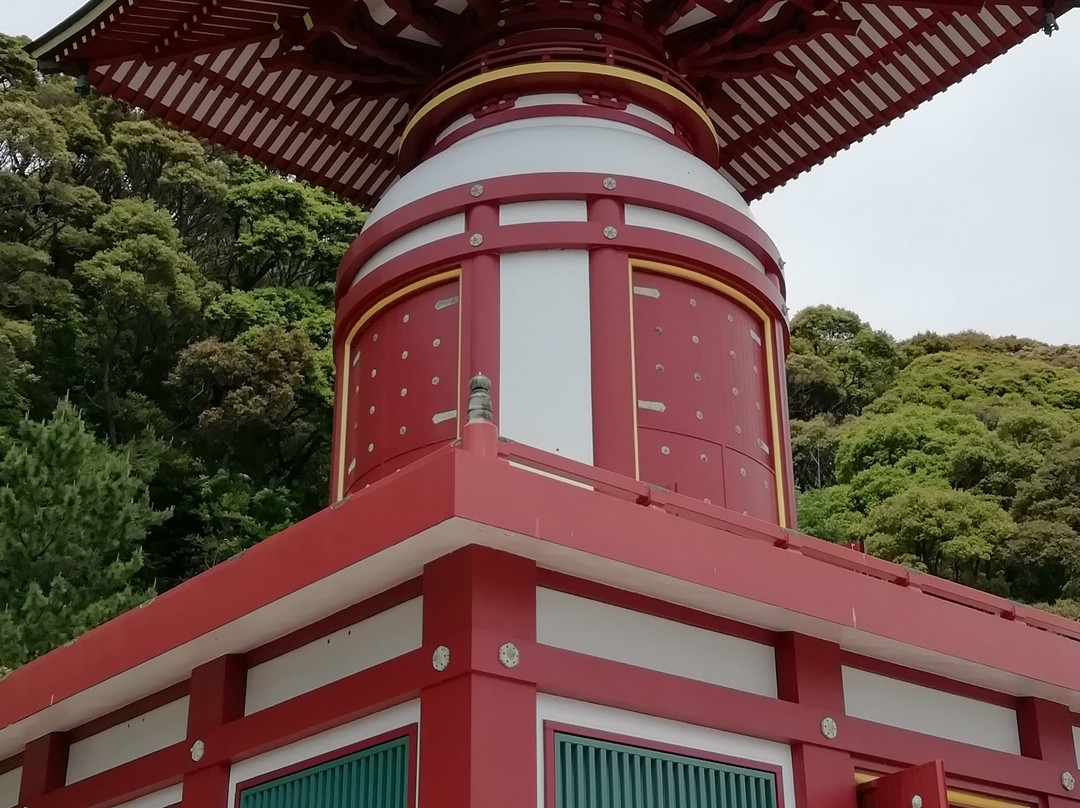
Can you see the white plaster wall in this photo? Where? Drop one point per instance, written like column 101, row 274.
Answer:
column 544, row 210
column 654, row 219
column 363, row 645
column 346, row 735
column 1076, row 744
column 661, row 731
column 9, row 788
column 140, row 736
column 545, row 366
column 418, row 237
column 159, row 799
column 611, row 632
column 556, row 145
column 933, row 712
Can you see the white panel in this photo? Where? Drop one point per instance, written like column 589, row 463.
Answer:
column 660, row 731
column 932, row 712
column 159, row 799
column 418, row 237
column 346, row 735
column 555, row 145
column 140, row 736
column 1076, row 743
column 545, row 370
column 544, row 210
column 9, row 788
column 673, row 223
column 611, row 632
column 385, row 636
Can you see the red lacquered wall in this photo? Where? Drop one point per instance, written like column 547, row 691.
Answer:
column 403, row 383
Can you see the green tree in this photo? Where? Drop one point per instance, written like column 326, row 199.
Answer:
column 73, row 514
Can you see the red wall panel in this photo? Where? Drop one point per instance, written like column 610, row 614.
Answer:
column 404, row 379
column 703, row 395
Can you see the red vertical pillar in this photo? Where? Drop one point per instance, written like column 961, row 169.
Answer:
column 44, row 767
column 1046, row 734
column 480, row 312
column 478, row 723
column 612, row 343
column 808, row 671
column 216, row 698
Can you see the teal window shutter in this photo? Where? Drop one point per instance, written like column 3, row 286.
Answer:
column 600, row 774
column 372, row 778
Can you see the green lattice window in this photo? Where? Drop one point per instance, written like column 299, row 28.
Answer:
column 600, row 774
column 372, row 778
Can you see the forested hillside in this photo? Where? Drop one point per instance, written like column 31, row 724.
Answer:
column 166, row 385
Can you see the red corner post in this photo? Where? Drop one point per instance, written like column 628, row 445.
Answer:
column 478, row 732
column 216, row 698
column 808, row 671
column 44, row 767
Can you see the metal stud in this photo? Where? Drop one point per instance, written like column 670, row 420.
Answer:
column 476, row 239
column 375, row 337
column 738, row 429
column 371, row 447
column 699, row 415
column 598, row 36
column 659, row 330
column 501, row 23
column 502, row 42
column 373, row 372
column 404, row 354
column 731, row 354
column 402, row 430
column 440, row 658
column 509, row 655
column 693, row 302
column 659, row 368
column 734, row 391
column 1068, row 781
column 828, row 727
column 404, row 391
column 609, row 182
column 730, row 319
column 434, row 379
column 405, row 318
column 664, row 450
column 371, row 410
column 478, row 189
column 742, row 471
column 697, row 377
column 694, row 339
column 704, row 458
column 198, row 749
column 610, row 232
column 598, row 16
column 435, row 343
column 916, row 801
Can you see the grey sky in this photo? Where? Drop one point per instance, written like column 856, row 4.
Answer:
column 964, row 214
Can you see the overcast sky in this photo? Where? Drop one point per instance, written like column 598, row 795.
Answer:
column 965, row 214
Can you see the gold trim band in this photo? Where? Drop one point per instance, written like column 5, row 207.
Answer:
column 569, row 68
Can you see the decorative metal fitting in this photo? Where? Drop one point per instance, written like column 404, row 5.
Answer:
column 598, row 36
column 198, row 749
column 916, row 801
column 828, row 727
column 610, row 232
column 480, row 399
column 1068, row 781
column 476, row 239
column 501, row 42
column 501, row 23
column 509, row 655
column 440, row 659
column 609, row 183
column 598, row 16
column 477, row 190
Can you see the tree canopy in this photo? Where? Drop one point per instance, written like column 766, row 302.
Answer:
column 166, row 385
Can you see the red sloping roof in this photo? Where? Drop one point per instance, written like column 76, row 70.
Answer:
column 219, row 68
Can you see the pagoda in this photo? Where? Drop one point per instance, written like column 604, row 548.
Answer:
column 559, row 565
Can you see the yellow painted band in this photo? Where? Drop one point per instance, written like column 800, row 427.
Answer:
column 963, row 799
column 365, row 318
column 770, row 360
column 538, row 68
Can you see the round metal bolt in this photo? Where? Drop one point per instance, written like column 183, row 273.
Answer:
column 693, row 302
column 509, row 655
column 734, row 391
column 694, row 339
column 699, row 415
column 916, row 801
column 1068, row 781
column 664, row 450
column 501, row 23
column 704, row 458
column 375, row 337
column 730, row 319
column 609, row 182
column 405, row 318
column 610, row 232
column 402, row 430
column 404, row 354
column 371, row 447
column 477, row 190
column 598, row 16
column 198, row 749
column 371, row 410
column 659, row 368
column 434, row 379
column 373, row 372
column 738, row 429
column 598, row 36
column 697, row 377
column 404, row 391
column 435, row 343
column 502, row 42
column 828, row 725
column 440, row 658
column 659, row 330
column 742, row 471
column 476, row 239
